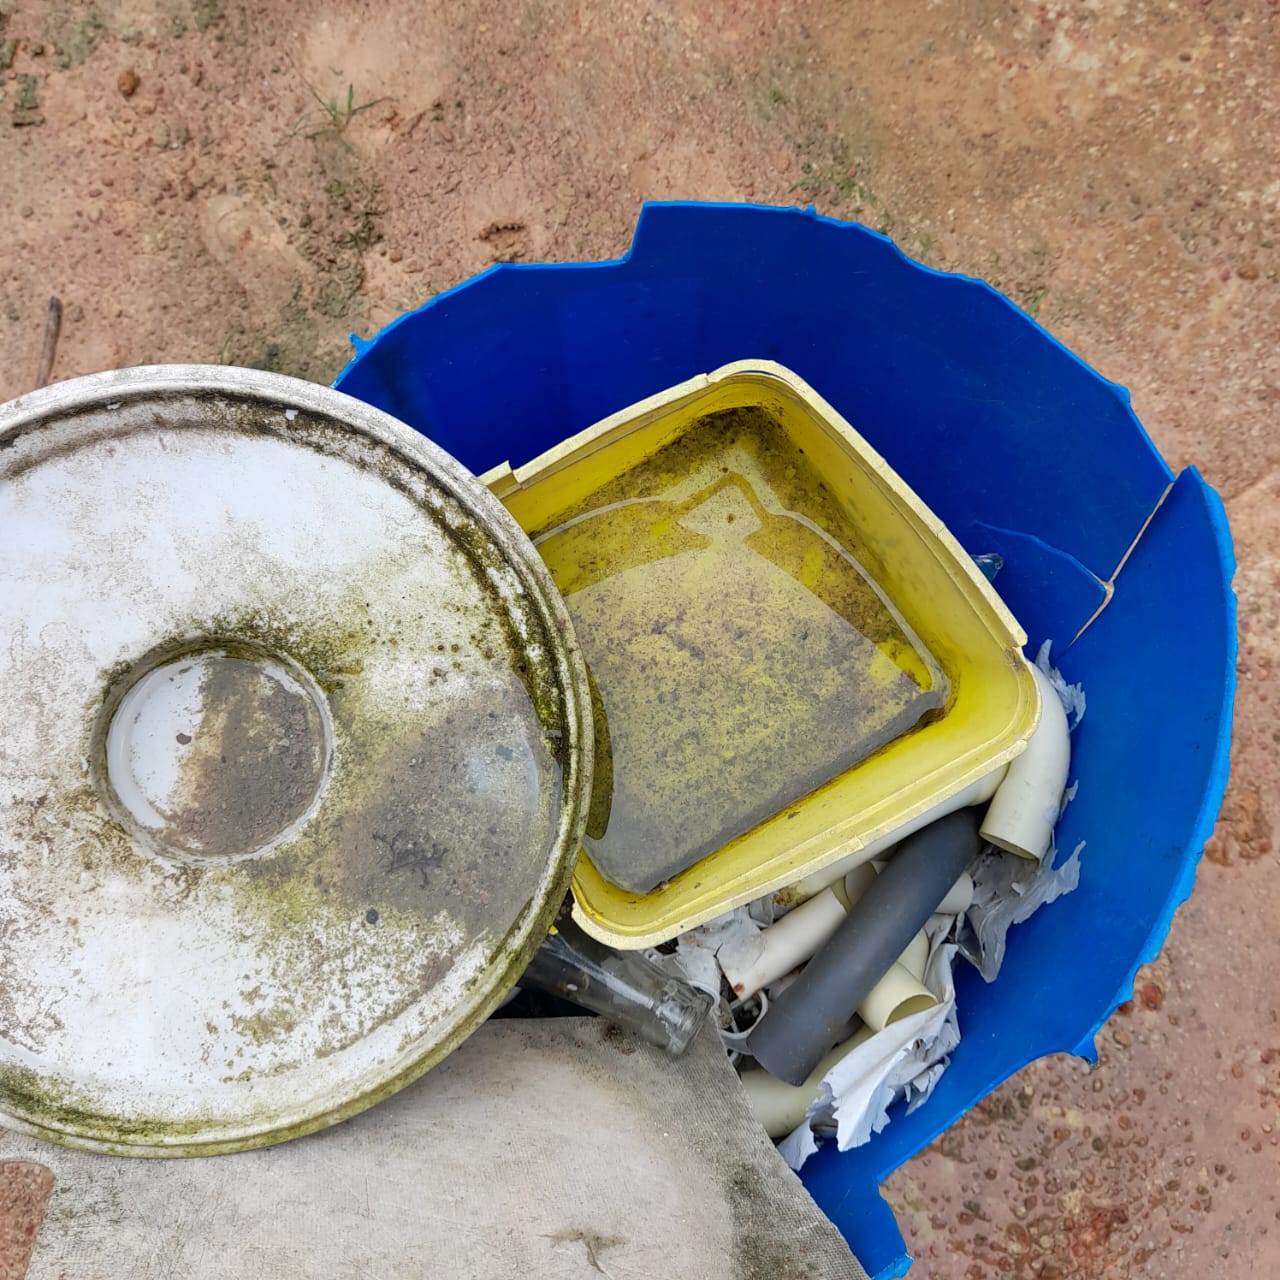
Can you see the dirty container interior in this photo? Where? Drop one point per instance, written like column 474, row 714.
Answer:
column 791, row 656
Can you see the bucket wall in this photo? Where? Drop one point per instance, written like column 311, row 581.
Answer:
column 1013, row 441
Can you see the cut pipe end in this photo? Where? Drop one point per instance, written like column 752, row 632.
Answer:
column 1025, row 807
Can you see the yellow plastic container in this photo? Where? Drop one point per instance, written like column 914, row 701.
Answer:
column 957, row 641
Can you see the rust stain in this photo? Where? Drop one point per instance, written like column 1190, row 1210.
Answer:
column 25, row 1190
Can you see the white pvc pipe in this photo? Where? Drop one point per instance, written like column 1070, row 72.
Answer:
column 901, row 991
column 859, row 880
column 976, row 793
column 1025, row 807
column 782, row 1107
column 916, row 956
column 898, row 994
column 768, row 956
column 959, row 897
column 764, row 958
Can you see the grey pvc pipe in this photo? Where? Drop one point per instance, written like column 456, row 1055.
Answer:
column 801, row 1025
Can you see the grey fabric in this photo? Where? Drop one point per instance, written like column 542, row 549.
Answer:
column 559, row 1149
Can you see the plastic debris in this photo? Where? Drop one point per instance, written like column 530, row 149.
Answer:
column 990, row 563
column 1007, row 891
column 903, row 1062
column 798, row 1145
column 1070, row 695
column 897, row 1063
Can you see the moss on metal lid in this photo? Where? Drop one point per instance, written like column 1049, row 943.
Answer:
column 290, row 761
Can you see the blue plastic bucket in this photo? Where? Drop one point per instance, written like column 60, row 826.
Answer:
column 1013, row 441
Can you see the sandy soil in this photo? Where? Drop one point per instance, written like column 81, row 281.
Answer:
column 218, row 181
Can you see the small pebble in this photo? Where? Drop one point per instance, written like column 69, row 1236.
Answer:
column 128, row 82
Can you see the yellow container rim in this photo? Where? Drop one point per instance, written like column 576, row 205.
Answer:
column 995, row 704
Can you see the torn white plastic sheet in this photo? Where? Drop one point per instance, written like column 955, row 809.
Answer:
column 736, row 933
column 1007, row 891
column 695, row 956
column 716, row 933
column 798, row 1145
column 1070, row 695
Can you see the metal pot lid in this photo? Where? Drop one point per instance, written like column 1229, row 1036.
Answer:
column 293, row 740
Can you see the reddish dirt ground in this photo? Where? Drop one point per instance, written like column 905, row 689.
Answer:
column 207, row 180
